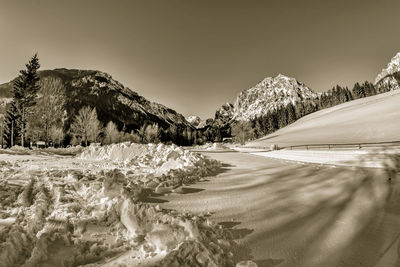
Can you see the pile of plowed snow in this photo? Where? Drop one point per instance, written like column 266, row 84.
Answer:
column 156, row 156
column 211, row 146
column 157, row 166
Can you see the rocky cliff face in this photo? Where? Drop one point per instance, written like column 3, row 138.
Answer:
column 268, row 95
column 112, row 100
column 225, row 113
column 389, row 78
column 194, row 120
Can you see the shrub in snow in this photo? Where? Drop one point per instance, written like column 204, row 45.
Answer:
column 274, row 147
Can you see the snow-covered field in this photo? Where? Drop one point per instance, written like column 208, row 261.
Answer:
column 358, row 158
column 99, row 208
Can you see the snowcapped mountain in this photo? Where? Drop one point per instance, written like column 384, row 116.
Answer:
column 268, row 95
column 389, row 78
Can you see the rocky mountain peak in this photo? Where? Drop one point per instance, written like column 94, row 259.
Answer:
column 269, row 94
column 224, row 113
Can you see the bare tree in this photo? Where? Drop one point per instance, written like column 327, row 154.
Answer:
column 142, row 133
column 242, row 131
column 49, row 110
column 86, row 125
column 56, row 135
column 112, row 135
column 130, row 137
column 152, row 134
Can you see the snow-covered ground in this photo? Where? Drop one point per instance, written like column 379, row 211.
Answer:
column 359, row 158
column 93, row 208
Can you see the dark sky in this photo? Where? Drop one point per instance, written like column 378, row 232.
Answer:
column 193, row 56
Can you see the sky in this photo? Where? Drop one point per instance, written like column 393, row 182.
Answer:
column 193, row 56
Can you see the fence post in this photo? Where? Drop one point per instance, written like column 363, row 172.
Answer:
column 329, row 147
column 307, row 147
column 359, row 146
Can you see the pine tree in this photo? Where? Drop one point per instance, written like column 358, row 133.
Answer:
column 258, row 128
column 282, row 117
column 291, row 113
column 25, row 90
column 272, row 121
column 11, row 125
column 358, row 91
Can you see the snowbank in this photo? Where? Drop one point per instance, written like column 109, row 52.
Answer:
column 211, row 146
column 154, row 165
column 165, row 157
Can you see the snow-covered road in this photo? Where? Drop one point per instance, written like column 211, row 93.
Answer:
column 292, row 214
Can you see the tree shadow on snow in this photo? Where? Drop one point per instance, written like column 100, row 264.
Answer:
column 190, row 190
column 224, row 168
column 153, row 200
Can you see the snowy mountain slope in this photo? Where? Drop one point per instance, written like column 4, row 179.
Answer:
column 370, row 119
column 268, row 95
